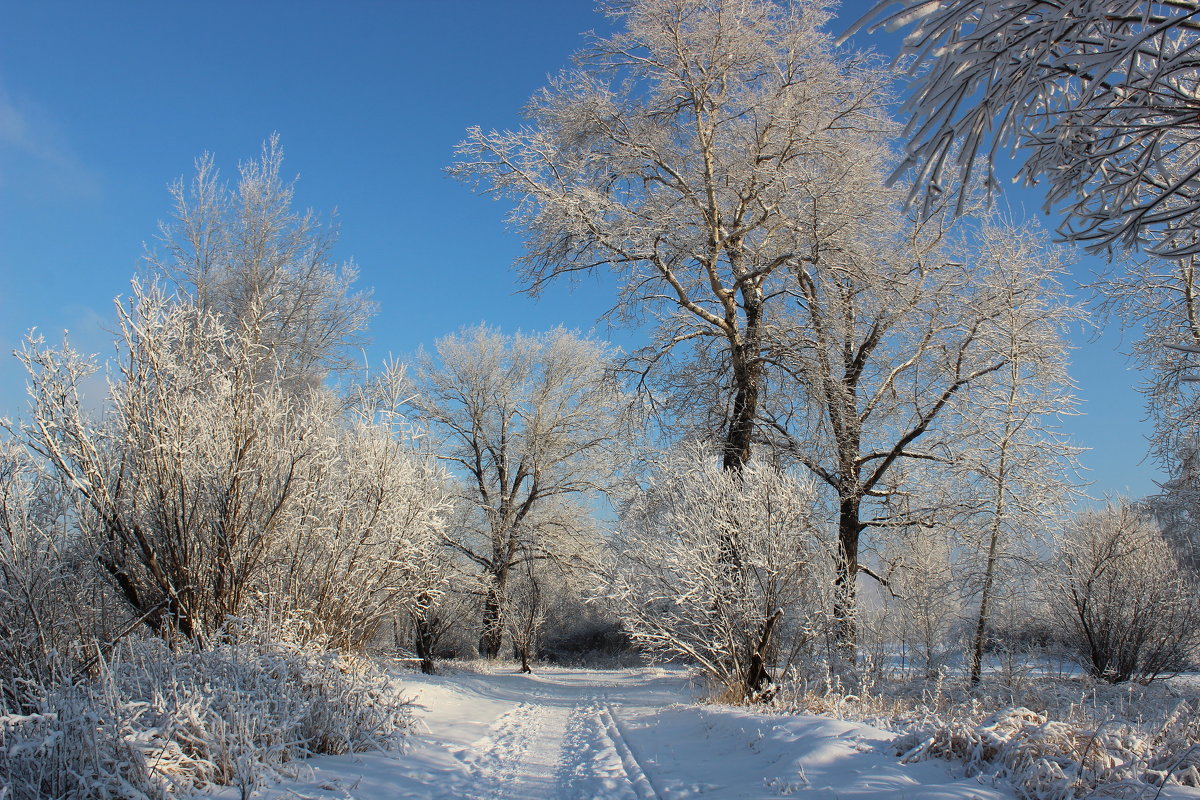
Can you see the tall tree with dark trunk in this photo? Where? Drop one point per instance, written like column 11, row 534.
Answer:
column 687, row 154
column 887, row 343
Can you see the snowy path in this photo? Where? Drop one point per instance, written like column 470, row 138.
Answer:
column 619, row 735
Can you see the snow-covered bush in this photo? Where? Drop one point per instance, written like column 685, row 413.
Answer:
column 723, row 568
column 362, row 534
column 160, row 721
column 1126, row 607
column 211, row 487
column 46, row 610
column 77, row 743
column 181, row 481
column 1050, row 738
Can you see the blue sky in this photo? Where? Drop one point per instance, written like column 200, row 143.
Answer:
column 103, row 104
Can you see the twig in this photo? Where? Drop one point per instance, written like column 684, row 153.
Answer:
column 102, row 651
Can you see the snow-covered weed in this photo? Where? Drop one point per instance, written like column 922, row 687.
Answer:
column 1050, row 739
column 77, row 745
column 1049, row 759
column 160, row 721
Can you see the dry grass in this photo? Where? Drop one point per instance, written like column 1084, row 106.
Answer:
column 162, row 723
column 1051, row 739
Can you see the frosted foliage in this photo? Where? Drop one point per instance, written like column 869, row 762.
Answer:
column 1097, row 97
column 1126, row 607
column 723, row 569
column 245, row 255
column 1043, row 758
column 697, row 154
column 196, row 478
column 1022, row 470
column 729, row 167
column 528, row 422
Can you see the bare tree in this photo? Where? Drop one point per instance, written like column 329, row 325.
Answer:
column 886, row 345
column 526, row 421
column 1098, row 95
column 679, row 594
column 1024, row 469
column 692, row 154
column 263, row 267
column 1128, row 609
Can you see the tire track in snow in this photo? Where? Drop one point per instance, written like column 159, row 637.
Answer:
column 597, row 760
column 633, row 767
column 517, row 758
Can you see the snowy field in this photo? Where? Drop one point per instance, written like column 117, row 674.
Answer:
column 636, row 734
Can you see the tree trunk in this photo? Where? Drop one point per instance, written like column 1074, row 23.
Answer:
column 423, row 643
column 747, row 377
column 493, row 629
column 758, row 677
column 845, row 608
column 985, row 601
column 998, row 511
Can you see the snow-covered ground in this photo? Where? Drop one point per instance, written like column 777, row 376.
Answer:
column 591, row 734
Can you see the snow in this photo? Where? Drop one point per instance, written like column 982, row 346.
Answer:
column 621, row 735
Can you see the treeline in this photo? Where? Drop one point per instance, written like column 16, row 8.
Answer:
column 838, row 393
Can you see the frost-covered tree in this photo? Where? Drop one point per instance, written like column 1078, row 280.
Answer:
column 207, row 486
column 694, row 154
column 526, row 422
column 887, row 341
column 246, row 255
column 1023, row 468
column 1097, row 97
column 680, row 593
column 1129, row 612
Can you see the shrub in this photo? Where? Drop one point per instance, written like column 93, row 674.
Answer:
column 725, row 570
column 1128, row 611
column 1049, row 759
column 160, row 721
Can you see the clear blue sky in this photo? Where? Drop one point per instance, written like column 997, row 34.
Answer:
column 103, row 104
